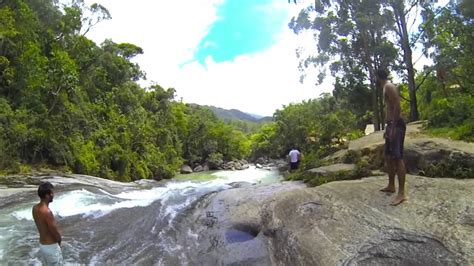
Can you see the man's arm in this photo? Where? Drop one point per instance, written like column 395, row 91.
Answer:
column 52, row 227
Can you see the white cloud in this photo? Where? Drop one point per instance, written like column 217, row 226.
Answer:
column 170, row 31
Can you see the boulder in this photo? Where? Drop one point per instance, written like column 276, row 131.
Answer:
column 423, row 155
column 198, row 168
column 185, row 169
column 215, row 164
column 342, row 223
column 241, row 184
column 261, row 160
column 340, row 168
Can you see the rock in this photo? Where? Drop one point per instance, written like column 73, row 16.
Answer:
column 237, row 165
column 258, row 165
column 215, row 164
column 283, row 166
column 205, row 167
column 347, row 223
column 261, row 160
column 198, row 168
column 241, row 184
column 334, row 172
column 145, row 182
column 423, row 155
column 16, row 184
column 185, row 169
column 229, row 226
column 340, row 168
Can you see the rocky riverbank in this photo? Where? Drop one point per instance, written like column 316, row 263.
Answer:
column 345, row 222
column 260, row 163
column 339, row 223
column 350, row 222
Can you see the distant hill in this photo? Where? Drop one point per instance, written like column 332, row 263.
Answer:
column 234, row 114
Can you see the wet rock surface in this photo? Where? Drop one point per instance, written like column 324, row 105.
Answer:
column 339, row 223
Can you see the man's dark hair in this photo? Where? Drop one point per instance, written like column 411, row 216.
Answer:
column 382, row 74
column 44, row 189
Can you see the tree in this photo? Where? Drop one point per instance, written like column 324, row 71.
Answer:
column 352, row 38
column 400, row 12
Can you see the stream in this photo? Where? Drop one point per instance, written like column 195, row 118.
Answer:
column 141, row 224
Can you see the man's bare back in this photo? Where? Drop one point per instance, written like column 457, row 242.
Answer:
column 50, row 238
column 392, row 99
column 46, row 224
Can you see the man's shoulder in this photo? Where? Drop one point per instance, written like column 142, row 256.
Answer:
column 390, row 89
column 390, row 85
column 38, row 208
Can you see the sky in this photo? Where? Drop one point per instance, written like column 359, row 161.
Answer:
column 233, row 54
column 228, row 53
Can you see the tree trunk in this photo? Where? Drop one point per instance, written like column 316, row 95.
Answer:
column 375, row 104
column 407, row 59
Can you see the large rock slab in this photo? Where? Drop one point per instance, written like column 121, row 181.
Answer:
column 346, row 223
column 422, row 154
column 352, row 223
column 227, row 226
column 333, row 169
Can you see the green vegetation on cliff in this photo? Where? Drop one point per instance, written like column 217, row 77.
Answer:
column 66, row 102
column 69, row 103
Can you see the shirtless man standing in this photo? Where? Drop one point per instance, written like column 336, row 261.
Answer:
column 394, row 138
column 50, row 238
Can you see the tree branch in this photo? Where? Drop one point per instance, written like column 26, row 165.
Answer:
column 423, row 80
column 415, row 3
column 423, row 27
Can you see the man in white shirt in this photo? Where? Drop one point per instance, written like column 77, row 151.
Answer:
column 295, row 156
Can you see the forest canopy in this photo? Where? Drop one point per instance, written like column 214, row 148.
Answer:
column 69, row 103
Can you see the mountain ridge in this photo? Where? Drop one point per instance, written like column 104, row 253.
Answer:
column 235, row 114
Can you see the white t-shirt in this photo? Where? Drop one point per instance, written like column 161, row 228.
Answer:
column 294, row 154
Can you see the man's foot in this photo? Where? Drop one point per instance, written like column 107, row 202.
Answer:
column 398, row 199
column 388, row 189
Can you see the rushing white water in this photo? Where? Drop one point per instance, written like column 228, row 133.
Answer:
column 18, row 236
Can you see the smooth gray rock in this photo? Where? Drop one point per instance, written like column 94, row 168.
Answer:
column 185, row 169
column 198, row 168
column 421, row 152
column 345, row 223
column 333, row 169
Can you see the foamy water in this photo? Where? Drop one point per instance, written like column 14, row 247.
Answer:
column 174, row 197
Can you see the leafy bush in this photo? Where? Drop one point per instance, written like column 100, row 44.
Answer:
column 457, row 165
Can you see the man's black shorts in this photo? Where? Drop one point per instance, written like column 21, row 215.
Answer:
column 394, row 147
column 294, row 165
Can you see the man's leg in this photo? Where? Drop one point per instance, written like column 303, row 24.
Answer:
column 401, row 172
column 391, row 174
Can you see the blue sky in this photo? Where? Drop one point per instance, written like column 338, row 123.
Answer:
column 234, row 54
column 242, row 27
column 227, row 53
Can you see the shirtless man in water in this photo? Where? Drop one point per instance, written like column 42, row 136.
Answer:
column 50, row 238
column 394, row 138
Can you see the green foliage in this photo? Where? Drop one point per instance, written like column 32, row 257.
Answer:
column 352, row 156
column 316, row 127
column 455, row 166
column 68, row 103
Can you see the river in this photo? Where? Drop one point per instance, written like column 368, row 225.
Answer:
column 140, row 224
